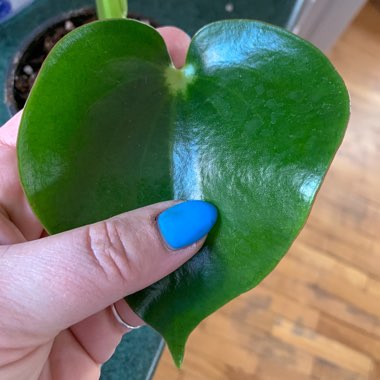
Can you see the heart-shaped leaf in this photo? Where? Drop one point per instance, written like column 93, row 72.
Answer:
column 251, row 124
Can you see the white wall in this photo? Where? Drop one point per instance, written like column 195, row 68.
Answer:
column 323, row 21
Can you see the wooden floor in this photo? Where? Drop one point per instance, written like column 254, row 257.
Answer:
column 317, row 316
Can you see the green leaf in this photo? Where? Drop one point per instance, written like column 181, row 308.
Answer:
column 251, row 124
column 111, row 9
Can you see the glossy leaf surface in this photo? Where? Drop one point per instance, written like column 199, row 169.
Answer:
column 251, row 124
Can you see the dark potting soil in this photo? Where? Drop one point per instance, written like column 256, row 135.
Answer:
column 35, row 53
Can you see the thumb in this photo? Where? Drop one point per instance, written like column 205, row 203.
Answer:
column 60, row 280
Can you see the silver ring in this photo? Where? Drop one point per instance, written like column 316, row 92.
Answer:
column 120, row 320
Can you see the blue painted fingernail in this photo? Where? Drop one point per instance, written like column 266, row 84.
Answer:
column 186, row 223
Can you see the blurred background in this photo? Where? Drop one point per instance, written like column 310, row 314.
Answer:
column 317, row 316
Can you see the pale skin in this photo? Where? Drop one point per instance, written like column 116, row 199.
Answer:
column 56, row 292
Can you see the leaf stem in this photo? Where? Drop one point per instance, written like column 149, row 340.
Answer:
column 106, row 9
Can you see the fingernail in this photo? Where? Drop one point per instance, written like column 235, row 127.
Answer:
column 186, row 223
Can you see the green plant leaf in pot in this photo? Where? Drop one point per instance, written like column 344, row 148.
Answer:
column 250, row 123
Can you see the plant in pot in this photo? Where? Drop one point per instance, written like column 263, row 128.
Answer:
column 250, row 123
column 28, row 61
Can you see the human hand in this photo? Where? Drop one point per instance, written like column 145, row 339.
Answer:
column 55, row 292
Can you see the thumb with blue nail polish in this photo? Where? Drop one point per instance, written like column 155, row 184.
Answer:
column 96, row 265
column 186, row 223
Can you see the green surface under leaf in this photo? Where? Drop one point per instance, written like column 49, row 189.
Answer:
column 251, row 124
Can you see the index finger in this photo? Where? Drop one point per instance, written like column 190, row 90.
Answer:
column 8, row 132
column 177, row 42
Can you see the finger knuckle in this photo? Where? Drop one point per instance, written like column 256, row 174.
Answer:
column 109, row 248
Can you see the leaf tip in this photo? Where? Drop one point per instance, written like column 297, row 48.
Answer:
column 177, row 353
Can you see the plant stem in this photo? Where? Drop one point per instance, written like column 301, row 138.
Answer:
column 111, row 9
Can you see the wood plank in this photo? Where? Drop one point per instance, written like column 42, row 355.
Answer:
column 350, row 211
column 256, row 341
column 260, row 307
column 324, row 347
column 358, row 298
column 313, row 295
column 373, row 287
column 269, row 370
column 324, row 369
column 353, row 248
column 349, row 336
column 212, row 358
column 319, row 260
column 376, row 372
